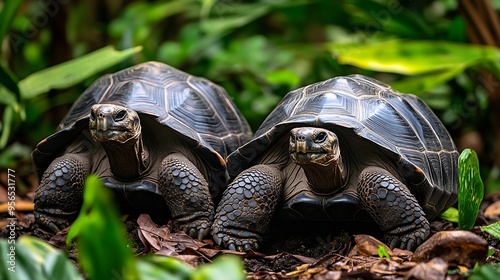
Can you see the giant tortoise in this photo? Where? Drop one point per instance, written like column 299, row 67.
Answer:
column 155, row 135
column 345, row 149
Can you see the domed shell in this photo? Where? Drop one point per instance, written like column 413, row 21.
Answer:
column 171, row 96
column 402, row 124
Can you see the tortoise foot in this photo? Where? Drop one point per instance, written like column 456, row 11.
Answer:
column 415, row 236
column 247, row 207
column 236, row 239
column 60, row 195
column 196, row 227
column 394, row 208
column 187, row 195
column 46, row 219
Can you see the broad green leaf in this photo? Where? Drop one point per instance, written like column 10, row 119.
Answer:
column 413, row 57
column 471, row 189
column 34, row 259
column 8, row 79
column 233, row 16
column 227, row 267
column 424, row 83
column 160, row 267
column 493, row 229
column 485, row 272
column 72, row 72
column 7, row 98
column 451, row 215
column 9, row 10
column 102, row 246
column 206, row 6
column 222, row 24
column 390, row 17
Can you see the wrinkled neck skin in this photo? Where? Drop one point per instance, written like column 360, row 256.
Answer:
column 326, row 179
column 127, row 159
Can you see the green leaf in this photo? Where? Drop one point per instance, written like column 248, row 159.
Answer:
column 6, row 126
column 471, row 189
column 451, row 215
column 227, row 267
column 102, row 246
column 34, row 259
column 283, row 76
column 420, row 84
column 382, row 252
column 493, row 229
column 7, row 15
column 8, row 79
column 160, row 267
column 413, row 57
column 72, row 72
column 485, row 272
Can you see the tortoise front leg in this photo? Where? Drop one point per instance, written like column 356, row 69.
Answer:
column 187, row 195
column 247, row 207
column 59, row 197
column 393, row 207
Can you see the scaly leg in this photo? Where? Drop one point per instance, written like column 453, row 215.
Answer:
column 187, row 195
column 59, row 197
column 247, row 207
column 393, row 207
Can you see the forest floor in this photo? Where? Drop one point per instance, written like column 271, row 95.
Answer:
column 298, row 250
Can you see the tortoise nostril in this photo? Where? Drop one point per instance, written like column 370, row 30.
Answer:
column 301, row 138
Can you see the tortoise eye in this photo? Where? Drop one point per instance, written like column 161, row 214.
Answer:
column 120, row 116
column 92, row 115
column 320, row 137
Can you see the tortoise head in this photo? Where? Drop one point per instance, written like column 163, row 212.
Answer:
column 317, row 151
column 109, row 122
column 313, row 145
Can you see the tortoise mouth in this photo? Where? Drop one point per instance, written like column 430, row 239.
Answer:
column 118, row 134
column 321, row 158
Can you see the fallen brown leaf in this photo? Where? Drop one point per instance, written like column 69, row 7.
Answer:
column 435, row 269
column 492, row 212
column 150, row 234
column 458, row 247
column 368, row 245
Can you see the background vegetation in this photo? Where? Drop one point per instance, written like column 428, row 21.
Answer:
column 258, row 50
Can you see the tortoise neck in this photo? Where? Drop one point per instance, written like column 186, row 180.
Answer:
column 127, row 159
column 326, row 179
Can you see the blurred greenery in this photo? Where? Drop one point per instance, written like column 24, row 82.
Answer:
column 103, row 251
column 258, row 51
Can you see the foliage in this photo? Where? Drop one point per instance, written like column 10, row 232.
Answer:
column 103, row 250
column 382, row 252
column 485, row 272
column 257, row 50
column 32, row 258
column 471, row 189
column 451, row 214
column 492, row 229
column 100, row 231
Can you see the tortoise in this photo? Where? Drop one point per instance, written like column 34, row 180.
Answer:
column 155, row 135
column 346, row 149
